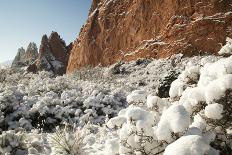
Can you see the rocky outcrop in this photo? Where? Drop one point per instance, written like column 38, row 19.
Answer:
column 17, row 62
column 31, row 53
column 25, row 58
column 131, row 29
column 53, row 55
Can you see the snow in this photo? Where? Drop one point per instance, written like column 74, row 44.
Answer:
column 138, row 114
column 120, row 113
column 214, row 111
column 193, row 144
column 174, row 119
column 227, row 48
column 112, row 146
column 137, row 96
column 116, row 122
column 199, row 122
column 155, row 102
column 57, row 64
column 216, row 89
column 196, row 95
column 177, row 88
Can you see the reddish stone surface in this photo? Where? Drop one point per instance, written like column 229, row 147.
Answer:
column 58, row 47
column 131, row 29
column 32, row 68
column 52, row 51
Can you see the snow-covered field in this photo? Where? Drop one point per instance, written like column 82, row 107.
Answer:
column 122, row 109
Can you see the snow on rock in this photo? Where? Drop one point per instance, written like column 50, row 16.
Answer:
column 192, row 144
column 214, row 111
column 174, row 119
column 227, row 48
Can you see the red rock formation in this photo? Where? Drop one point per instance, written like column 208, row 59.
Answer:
column 53, row 55
column 130, row 29
column 58, row 47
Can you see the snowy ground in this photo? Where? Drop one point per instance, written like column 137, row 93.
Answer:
column 121, row 109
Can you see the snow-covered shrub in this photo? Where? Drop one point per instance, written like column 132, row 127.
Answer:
column 37, row 143
column 156, row 103
column 142, row 131
column 45, row 101
column 137, row 134
column 165, row 84
column 210, row 101
column 187, row 78
column 137, row 97
column 198, row 111
column 67, row 142
column 175, row 119
column 195, row 119
column 112, row 147
column 12, row 143
column 192, row 144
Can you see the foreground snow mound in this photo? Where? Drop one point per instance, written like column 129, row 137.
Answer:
column 214, row 111
column 186, row 145
column 175, row 119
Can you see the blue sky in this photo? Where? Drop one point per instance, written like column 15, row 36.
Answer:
column 23, row 21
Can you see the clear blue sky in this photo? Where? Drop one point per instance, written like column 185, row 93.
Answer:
column 23, row 21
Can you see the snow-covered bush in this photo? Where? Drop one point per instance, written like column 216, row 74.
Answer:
column 136, row 97
column 12, row 143
column 67, row 142
column 121, row 114
column 195, row 120
column 192, row 144
column 44, row 101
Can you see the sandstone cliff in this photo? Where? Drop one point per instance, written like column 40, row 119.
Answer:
column 53, row 55
column 130, row 29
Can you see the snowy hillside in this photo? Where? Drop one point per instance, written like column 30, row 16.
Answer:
column 169, row 106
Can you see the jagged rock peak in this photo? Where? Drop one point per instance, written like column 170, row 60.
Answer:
column 31, row 52
column 53, row 55
column 18, row 58
column 44, row 47
column 58, row 47
column 94, row 5
column 25, row 58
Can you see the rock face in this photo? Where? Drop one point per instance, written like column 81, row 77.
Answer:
column 17, row 62
column 130, row 29
column 25, row 58
column 53, row 55
column 31, row 52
